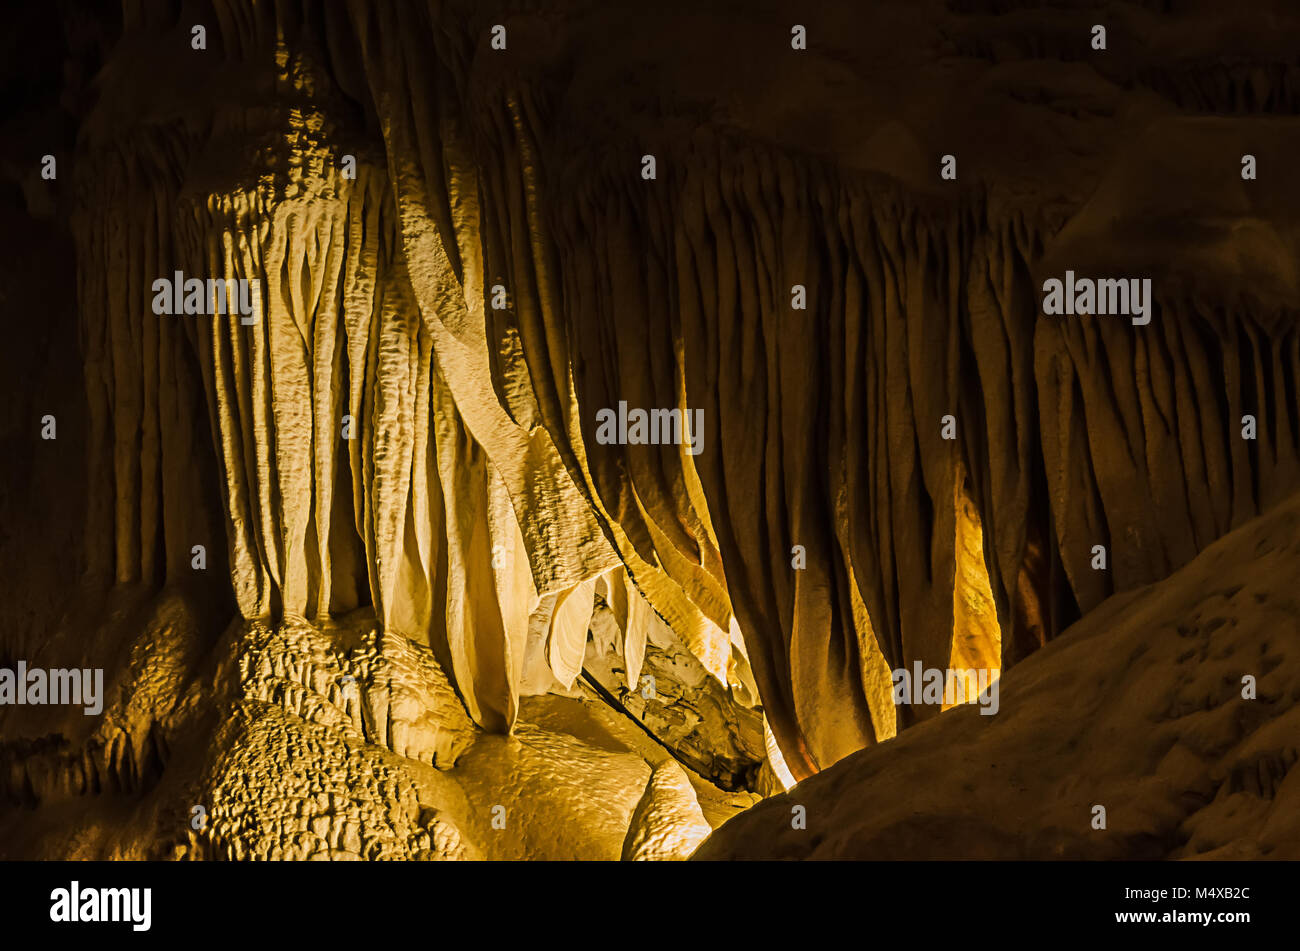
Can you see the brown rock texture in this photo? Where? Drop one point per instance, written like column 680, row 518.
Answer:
column 366, row 542
column 1185, row 764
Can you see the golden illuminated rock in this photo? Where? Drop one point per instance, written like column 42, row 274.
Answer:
column 1189, row 747
column 375, row 553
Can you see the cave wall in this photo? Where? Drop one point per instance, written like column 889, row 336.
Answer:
column 475, row 492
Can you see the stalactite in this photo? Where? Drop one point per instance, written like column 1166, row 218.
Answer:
column 389, row 436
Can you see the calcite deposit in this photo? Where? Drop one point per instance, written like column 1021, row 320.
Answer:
column 376, row 565
column 1143, row 708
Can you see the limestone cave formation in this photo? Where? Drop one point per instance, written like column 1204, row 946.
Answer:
column 547, row 429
